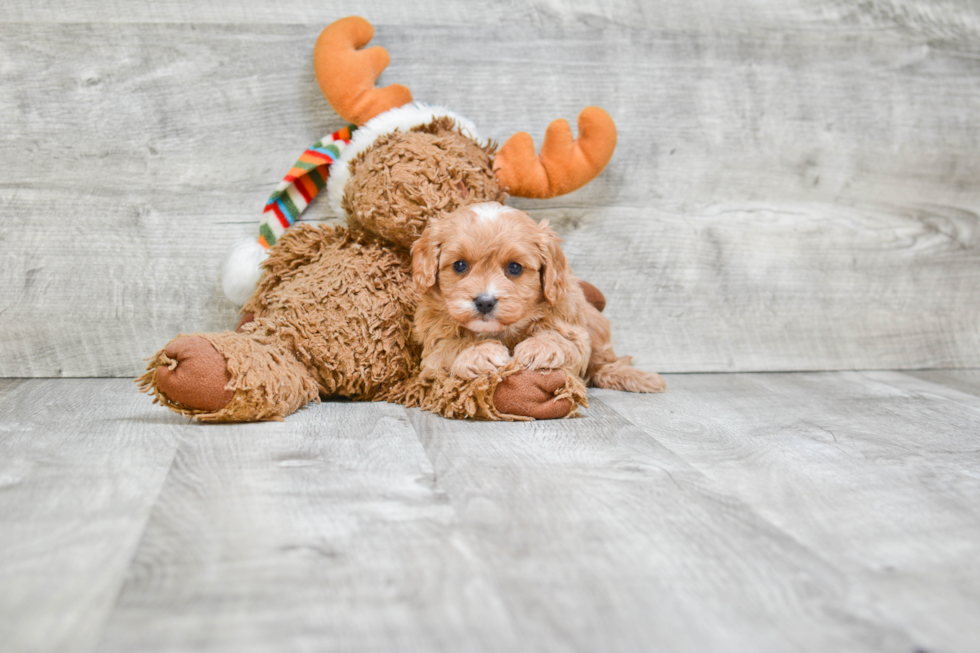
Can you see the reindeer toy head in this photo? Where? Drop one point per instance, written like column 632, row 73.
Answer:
column 458, row 170
column 329, row 310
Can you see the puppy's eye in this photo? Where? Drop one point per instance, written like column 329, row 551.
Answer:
column 460, row 267
column 514, row 269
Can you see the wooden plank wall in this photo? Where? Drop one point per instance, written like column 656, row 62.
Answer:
column 795, row 187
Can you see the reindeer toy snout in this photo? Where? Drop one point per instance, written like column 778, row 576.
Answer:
column 328, row 310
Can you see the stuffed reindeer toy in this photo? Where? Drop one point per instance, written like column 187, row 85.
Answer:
column 328, row 311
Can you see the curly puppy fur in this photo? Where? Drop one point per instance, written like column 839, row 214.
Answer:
column 497, row 292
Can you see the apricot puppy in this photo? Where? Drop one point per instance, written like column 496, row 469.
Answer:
column 495, row 287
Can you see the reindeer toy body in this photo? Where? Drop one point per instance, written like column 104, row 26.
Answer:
column 332, row 311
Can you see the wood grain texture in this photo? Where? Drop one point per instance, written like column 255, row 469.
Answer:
column 327, row 532
column 608, row 540
column 876, row 473
column 943, row 19
column 81, row 463
column 733, row 288
column 828, row 141
column 737, row 512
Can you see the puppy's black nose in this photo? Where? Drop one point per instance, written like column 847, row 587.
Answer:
column 485, row 303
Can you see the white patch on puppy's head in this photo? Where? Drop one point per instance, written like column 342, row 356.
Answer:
column 488, row 211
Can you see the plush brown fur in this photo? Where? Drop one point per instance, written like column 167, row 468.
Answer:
column 539, row 318
column 267, row 381
column 333, row 311
column 406, row 178
column 347, row 325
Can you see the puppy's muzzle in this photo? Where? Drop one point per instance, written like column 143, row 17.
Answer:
column 485, row 304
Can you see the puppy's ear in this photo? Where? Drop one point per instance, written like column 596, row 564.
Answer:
column 554, row 266
column 425, row 260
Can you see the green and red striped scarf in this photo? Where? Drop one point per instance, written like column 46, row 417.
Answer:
column 305, row 180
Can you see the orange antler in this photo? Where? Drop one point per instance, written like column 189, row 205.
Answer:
column 346, row 73
column 565, row 164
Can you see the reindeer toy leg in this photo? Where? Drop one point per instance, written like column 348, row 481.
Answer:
column 332, row 307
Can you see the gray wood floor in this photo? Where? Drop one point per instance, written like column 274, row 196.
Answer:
column 738, row 512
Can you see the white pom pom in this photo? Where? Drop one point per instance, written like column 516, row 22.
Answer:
column 241, row 272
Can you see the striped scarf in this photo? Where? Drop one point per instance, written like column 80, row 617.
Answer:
column 305, row 180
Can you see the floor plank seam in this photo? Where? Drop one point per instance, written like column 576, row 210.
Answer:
column 139, row 540
column 715, row 486
column 474, row 544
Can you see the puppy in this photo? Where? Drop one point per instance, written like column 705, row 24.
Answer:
column 495, row 287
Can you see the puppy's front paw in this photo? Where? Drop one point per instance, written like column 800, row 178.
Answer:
column 480, row 359
column 539, row 354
